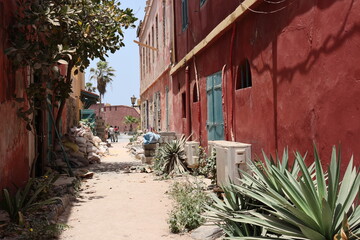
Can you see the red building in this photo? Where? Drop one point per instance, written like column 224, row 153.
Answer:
column 114, row 115
column 272, row 75
column 23, row 153
column 15, row 146
column 156, row 56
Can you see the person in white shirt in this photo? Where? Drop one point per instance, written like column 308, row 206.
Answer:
column 112, row 133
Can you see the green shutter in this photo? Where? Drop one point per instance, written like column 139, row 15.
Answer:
column 215, row 122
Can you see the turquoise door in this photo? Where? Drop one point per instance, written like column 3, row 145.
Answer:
column 215, row 122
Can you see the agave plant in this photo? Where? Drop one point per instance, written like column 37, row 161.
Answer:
column 171, row 157
column 26, row 199
column 159, row 162
column 266, row 172
column 221, row 212
column 302, row 203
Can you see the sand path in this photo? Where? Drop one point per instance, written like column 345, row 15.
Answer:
column 115, row 205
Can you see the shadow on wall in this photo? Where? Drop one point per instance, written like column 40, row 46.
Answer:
column 330, row 44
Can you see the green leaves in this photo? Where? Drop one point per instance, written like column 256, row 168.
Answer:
column 131, row 120
column 222, row 212
column 303, row 201
column 190, row 200
column 171, row 157
column 27, row 198
column 52, row 32
column 103, row 74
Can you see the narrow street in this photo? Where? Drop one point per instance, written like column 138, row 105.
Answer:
column 252, row 106
column 119, row 205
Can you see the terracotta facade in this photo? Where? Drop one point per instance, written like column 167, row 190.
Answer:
column 22, row 153
column 15, row 147
column 156, row 53
column 303, row 66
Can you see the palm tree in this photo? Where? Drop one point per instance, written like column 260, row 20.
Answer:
column 131, row 120
column 89, row 87
column 103, row 75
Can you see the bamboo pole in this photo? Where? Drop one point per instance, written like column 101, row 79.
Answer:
column 145, row 45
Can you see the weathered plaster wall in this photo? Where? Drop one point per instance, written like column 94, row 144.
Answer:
column 160, row 86
column 14, row 146
column 74, row 104
column 202, row 19
column 305, row 78
column 154, row 63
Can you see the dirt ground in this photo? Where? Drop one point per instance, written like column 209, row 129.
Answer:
column 116, row 205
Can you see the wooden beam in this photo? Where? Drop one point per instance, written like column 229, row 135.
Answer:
column 145, row 45
column 215, row 33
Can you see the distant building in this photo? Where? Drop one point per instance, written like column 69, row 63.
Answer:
column 114, row 115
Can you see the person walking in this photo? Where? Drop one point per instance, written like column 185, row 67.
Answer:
column 116, row 129
column 112, row 133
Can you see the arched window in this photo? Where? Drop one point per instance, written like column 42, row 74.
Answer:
column 244, row 75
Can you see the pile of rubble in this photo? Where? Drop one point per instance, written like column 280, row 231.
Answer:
column 147, row 151
column 82, row 148
column 135, row 146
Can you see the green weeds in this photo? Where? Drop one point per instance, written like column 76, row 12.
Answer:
column 34, row 195
column 190, row 201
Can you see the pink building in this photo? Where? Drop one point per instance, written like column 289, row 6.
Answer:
column 114, row 115
column 156, row 53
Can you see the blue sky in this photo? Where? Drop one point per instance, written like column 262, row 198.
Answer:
column 125, row 62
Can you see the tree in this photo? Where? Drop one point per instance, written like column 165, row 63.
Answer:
column 47, row 33
column 131, row 120
column 103, row 74
column 89, row 87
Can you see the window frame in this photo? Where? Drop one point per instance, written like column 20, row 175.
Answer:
column 184, row 14
column 244, row 76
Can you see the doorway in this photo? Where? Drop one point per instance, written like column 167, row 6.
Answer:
column 215, row 122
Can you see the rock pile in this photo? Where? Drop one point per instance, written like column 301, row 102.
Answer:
column 135, row 146
column 82, row 148
column 146, row 152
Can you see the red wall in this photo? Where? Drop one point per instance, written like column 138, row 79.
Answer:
column 14, row 149
column 114, row 115
column 201, row 21
column 160, row 86
column 305, row 77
